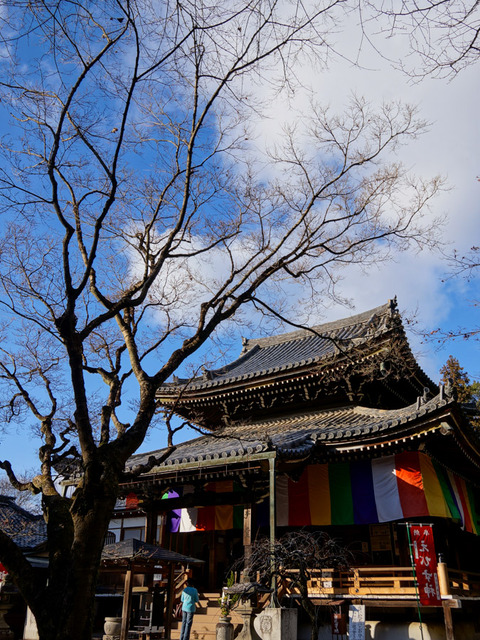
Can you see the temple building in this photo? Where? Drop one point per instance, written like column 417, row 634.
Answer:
column 336, row 428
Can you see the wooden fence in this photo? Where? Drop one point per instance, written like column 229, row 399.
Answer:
column 380, row 581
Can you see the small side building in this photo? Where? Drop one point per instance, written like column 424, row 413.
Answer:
column 28, row 531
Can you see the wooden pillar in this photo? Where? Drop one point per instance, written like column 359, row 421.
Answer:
column 170, row 599
column 272, row 485
column 444, row 585
column 151, row 527
column 443, row 581
column 247, row 538
column 162, row 534
column 150, row 538
column 212, row 561
column 127, row 604
column 447, row 614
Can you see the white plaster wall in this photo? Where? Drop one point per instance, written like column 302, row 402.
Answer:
column 378, row 630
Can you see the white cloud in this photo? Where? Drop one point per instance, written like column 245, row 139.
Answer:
column 449, row 148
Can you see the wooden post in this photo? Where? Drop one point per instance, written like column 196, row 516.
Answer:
column 356, row 580
column 271, row 468
column 162, row 535
column 447, row 613
column 443, row 581
column 151, row 527
column 150, row 538
column 247, row 537
column 212, row 561
column 170, row 600
column 127, row 604
column 444, row 585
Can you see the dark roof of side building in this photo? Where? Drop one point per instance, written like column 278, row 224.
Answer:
column 137, row 551
column 26, row 530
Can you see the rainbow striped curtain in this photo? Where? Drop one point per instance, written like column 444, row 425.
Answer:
column 215, row 518
column 406, row 485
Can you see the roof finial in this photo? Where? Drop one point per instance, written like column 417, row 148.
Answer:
column 206, row 374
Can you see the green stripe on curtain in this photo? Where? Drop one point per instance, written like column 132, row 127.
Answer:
column 445, row 485
column 340, row 493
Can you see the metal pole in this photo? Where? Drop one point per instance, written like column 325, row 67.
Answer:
column 417, row 595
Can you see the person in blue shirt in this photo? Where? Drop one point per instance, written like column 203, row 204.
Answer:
column 189, row 601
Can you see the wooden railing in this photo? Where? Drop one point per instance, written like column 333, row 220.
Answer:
column 464, row 583
column 359, row 581
column 379, row 582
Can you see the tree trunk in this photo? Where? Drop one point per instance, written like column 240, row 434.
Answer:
column 64, row 611
column 315, row 629
column 308, row 605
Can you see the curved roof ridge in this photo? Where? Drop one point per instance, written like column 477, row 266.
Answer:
column 265, row 356
column 244, row 355
column 322, row 329
column 402, row 411
column 292, row 434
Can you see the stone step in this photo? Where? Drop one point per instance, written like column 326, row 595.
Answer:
column 198, row 632
column 205, row 619
column 210, row 616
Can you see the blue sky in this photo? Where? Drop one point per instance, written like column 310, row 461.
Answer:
column 419, row 279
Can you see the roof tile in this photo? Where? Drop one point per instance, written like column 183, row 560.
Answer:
column 294, row 433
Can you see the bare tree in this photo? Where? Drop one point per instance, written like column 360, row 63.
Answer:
column 293, row 560
column 444, row 34
column 140, row 218
column 444, row 39
column 23, row 499
column 463, row 265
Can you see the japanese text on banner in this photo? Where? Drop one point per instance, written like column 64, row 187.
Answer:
column 423, row 549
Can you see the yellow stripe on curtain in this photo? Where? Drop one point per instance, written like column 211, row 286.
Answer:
column 223, row 517
column 319, row 490
column 436, row 502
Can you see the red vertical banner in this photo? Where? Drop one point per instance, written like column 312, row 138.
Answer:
column 425, row 561
column 3, row 575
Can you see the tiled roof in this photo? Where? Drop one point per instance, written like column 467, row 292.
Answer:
column 138, row 551
column 25, row 529
column 298, row 435
column 298, row 348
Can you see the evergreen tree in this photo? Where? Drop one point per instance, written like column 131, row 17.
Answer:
column 459, row 379
column 466, row 391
